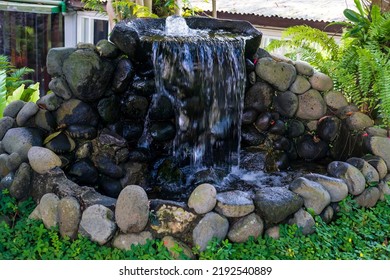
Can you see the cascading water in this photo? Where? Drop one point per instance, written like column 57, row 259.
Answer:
column 204, row 76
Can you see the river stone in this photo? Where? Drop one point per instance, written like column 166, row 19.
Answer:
column 125, row 241
column 48, row 208
column 321, row 81
column 108, row 167
column 4, row 169
column 28, row 111
column 136, row 173
column 50, row 102
column 74, row 112
column 359, row 121
column 162, row 131
column 161, row 109
column 328, row 214
column 249, row 116
column 376, row 131
column 379, row 146
column 286, row 103
column 110, row 187
column 234, row 204
column 378, row 163
column 60, row 88
column 21, row 185
column 123, row 75
column 276, row 204
column 251, row 225
column 56, row 58
column 304, row 68
column 132, row 199
column 13, row 108
column 45, row 120
column 349, row 174
column 42, row 159
column 279, row 74
column 203, row 199
column 13, row 161
column 171, row 244
column 304, row 221
column 97, row 224
column 107, row 49
column 300, row 85
column 83, row 172
column 383, row 187
column 212, row 225
column 6, row 123
column 310, row 148
column 368, row 198
column 368, row 171
column 311, row 105
column 328, row 128
column 87, row 75
column 69, row 216
column 314, row 195
column 273, row 232
column 108, row 109
column 250, row 136
column 337, row 188
column 259, row 96
column 6, row 181
column 135, row 107
column 335, row 100
column 295, row 128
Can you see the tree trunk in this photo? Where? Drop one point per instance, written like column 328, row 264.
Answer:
column 214, row 9
column 178, row 7
column 111, row 14
column 149, row 4
column 139, row 2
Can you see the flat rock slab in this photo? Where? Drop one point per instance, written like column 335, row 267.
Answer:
column 234, row 204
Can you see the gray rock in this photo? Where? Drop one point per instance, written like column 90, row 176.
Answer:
column 55, row 60
column 50, row 102
column 13, row 108
column 4, row 170
column 20, row 140
column 124, row 241
column 107, row 49
column 304, row 68
column 171, row 244
column 273, row 232
column 203, row 199
column 311, row 105
column 28, row 111
column 368, row 171
column 337, row 188
column 359, row 121
column 286, row 103
column 14, row 161
column 35, row 214
column 349, row 174
column 380, row 146
column 335, row 100
column 314, row 195
column 346, row 111
column 312, row 125
column 300, row 85
column 211, row 226
column 304, row 221
column 376, row 131
column 76, row 112
column 384, row 189
column 234, row 204
column 259, row 96
column 69, row 216
column 132, row 199
column 42, row 159
column 368, row 198
column 136, row 173
column 6, row 181
column 321, row 81
column 21, row 185
column 48, row 209
column 5, row 124
column 45, row 120
column 251, row 225
column 279, row 74
column 60, row 88
column 124, row 73
column 276, row 204
column 328, row 214
column 97, row 223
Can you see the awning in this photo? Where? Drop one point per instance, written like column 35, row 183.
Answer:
column 34, row 6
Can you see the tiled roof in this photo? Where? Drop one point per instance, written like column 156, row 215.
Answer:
column 320, row 10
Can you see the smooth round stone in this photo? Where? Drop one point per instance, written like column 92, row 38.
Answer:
column 131, row 131
column 378, row 163
column 109, row 186
column 48, row 206
column 379, row 146
column 349, row 174
column 6, row 181
column 203, row 199
column 125, row 241
column 327, row 215
column 311, row 105
column 108, row 109
column 69, row 216
column 295, row 128
column 273, row 232
column 123, row 76
column 346, row 111
column 60, row 88
column 61, row 143
column 282, row 144
column 249, row 116
column 368, row 198
column 84, row 172
column 368, row 171
column 163, row 131
column 77, row 112
column 50, row 102
column 21, row 184
column 376, row 131
column 108, row 167
column 359, row 121
column 311, row 149
column 250, row 136
column 263, row 121
column 171, row 244
column 246, row 227
column 135, row 107
column 277, row 127
column 45, row 120
column 259, row 97
column 107, row 49
column 383, row 187
column 328, row 128
column 234, row 204
column 286, row 103
column 4, row 169
column 79, row 131
column 55, row 59
column 28, row 111
column 13, row 108
column 335, row 100
column 42, row 160
column 304, row 221
column 304, row 68
column 321, row 81
column 6, row 123
column 14, row 161
column 300, row 85
column 161, row 109
column 337, row 188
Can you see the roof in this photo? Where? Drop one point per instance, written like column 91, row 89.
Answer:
column 320, row 10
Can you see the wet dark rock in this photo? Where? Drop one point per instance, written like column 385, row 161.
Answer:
column 61, row 143
column 50, row 102
column 60, row 88
column 6, row 181
column 249, row 116
column 277, row 127
column 107, row 49
column 170, row 178
column 253, row 160
column 351, row 175
column 110, row 138
column 368, row 171
column 259, row 97
column 108, row 167
column 162, row 109
column 140, row 155
column 28, row 111
column 295, row 128
column 135, row 107
column 56, row 58
column 75, row 111
column 310, row 148
column 45, row 120
column 286, row 103
column 109, row 186
column 279, row 74
column 277, row 161
column 211, row 176
column 162, row 131
column 21, row 184
column 263, row 121
column 328, row 128
column 13, row 108
column 81, row 131
column 83, row 172
column 108, row 109
column 123, row 76
column 144, row 86
column 282, row 144
column 137, row 173
column 20, row 140
column 131, row 131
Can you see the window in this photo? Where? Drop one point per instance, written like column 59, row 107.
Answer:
column 91, row 27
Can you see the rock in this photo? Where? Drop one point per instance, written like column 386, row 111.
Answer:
column 13, row 108
column 28, row 111
column 14, row 161
column 286, row 103
column 48, row 209
column 295, row 128
column 368, row 171
column 304, row 68
column 163, row 131
column 203, row 199
column 132, row 199
column 349, row 174
column 161, row 109
column 123, row 75
column 249, row 116
column 328, row 214
column 144, row 86
column 273, row 232
column 259, row 97
column 172, row 244
column 263, row 121
column 6, row 123
column 83, row 172
column 69, row 216
column 45, row 120
column 60, row 143
column 376, row 131
column 107, row 49
column 77, row 112
column 107, row 166
column 320, row 81
column 108, row 109
column 277, row 127
column 4, row 169
column 314, row 195
column 131, row 131
column 234, row 204
column 378, row 163
column 250, row 136
column 87, row 75
column 335, row 100
column 304, row 221
column 60, row 88
column 135, row 107
column 136, row 173
column 359, row 121
column 279, row 74
column 35, row 214
column 379, row 146
column 21, row 184
column 383, row 187
column 125, row 241
column 311, row 148
column 276, row 204
column 7, row 181
column 97, row 223
column 311, row 105
column 56, row 58
column 251, row 225
column 50, row 102
column 328, row 128
column 346, row 111
column 311, row 125
column 337, row 188
column 42, row 159
column 212, row 225
column 300, row 85
column 110, row 187
column 368, row 198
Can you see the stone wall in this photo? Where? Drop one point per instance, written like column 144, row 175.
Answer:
column 75, row 152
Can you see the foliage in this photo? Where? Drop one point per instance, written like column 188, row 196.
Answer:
column 15, row 76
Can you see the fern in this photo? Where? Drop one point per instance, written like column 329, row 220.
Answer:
column 3, row 91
